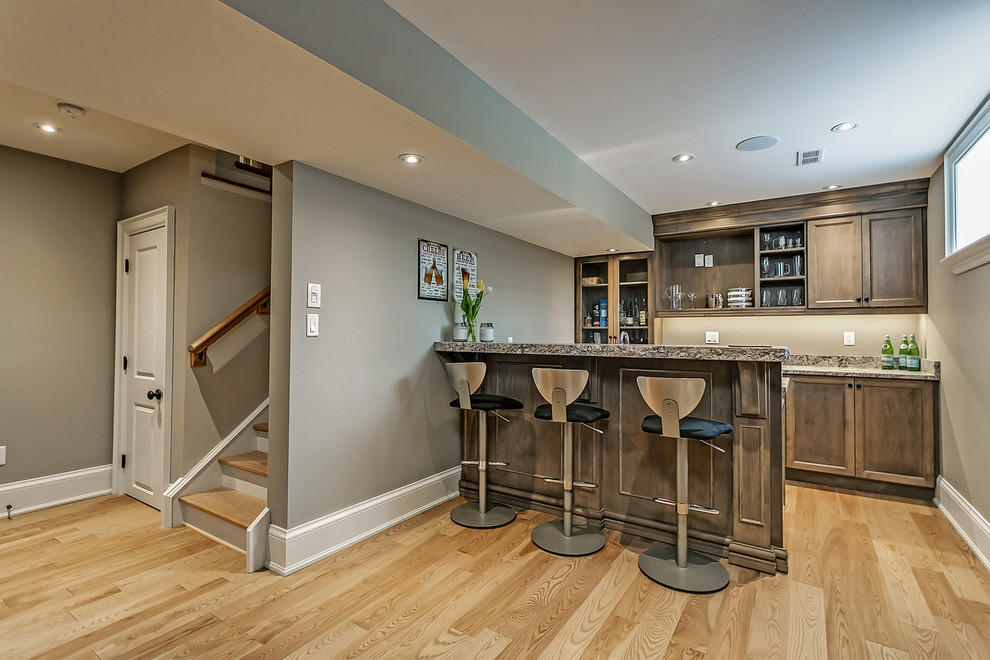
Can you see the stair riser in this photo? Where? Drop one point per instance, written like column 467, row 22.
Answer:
column 236, row 482
column 262, row 441
column 220, row 529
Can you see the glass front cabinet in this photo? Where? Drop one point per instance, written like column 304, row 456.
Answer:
column 614, row 296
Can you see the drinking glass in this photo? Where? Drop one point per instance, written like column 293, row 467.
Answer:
column 797, row 296
column 766, row 266
column 797, row 264
column 782, row 298
column 691, row 297
column 766, row 240
column 765, row 298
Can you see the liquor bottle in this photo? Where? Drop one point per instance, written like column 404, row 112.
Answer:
column 887, row 354
column 642, row 315
column 913, row 356
column 604, row 312
column 622, row 312
column 902, row 352
column 635, row 310
column 595, row 317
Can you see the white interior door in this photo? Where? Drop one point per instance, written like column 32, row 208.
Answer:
column 145, row 381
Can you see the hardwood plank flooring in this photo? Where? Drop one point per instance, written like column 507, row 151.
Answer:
column 871, row 577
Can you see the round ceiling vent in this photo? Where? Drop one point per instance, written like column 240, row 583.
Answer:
column 72, row 110
column 758, row 143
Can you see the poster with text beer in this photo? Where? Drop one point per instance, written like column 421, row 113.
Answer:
column 432, row 270
column 465, row 269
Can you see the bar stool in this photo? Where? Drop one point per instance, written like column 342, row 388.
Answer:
column 672, row 399
column 561, row 387
column 466, row 378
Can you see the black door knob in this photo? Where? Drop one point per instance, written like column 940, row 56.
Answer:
column 157, row 394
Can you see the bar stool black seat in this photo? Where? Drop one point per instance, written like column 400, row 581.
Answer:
column 561, row 387
column 672, row 399
column 466, row 377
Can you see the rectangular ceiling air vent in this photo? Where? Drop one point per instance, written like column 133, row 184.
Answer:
column 810, row 157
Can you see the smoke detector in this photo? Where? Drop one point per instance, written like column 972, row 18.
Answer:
column 72, row 110
column 810, row 157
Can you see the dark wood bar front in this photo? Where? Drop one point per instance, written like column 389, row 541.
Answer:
column 745, row 484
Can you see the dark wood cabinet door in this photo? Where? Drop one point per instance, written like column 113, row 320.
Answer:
column 894, row 259
column 820, row 428
column 835, row 263
column 895, row 431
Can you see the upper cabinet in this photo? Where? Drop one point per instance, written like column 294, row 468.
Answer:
column 859, row 250
column 874, row 260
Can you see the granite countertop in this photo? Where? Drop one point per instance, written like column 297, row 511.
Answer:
column 645, row 351
column 864, row 366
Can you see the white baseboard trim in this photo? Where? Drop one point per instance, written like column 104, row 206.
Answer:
column 44, row 492
column 294, row 549
column 970, row 524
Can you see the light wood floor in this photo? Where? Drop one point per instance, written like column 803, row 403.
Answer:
column 870, row 578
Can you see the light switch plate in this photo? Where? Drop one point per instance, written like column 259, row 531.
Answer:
column 711, row 337
column 313, row 295
column 3, row 455
column 312, row 325
column 709, row 260
column 849, row 338
column 699, row 260
column 510, row 340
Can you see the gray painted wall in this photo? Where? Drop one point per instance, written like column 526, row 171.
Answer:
column 57, row 288
column 366, row 403
column 958, row 318
column 222, row 258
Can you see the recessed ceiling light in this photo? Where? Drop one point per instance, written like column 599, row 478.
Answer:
column 834, row 186
column 47, row 128
column 758, row 143
column 845, row 126
column 714, row 203
column 611, row 249
column 682, row 158
column 412, row 159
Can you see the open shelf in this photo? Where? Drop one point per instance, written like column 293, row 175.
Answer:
column 793, row 279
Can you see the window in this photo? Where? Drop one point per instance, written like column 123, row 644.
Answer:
column 967, row 196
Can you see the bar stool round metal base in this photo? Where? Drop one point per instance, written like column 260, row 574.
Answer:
column 469, row 515
column 549, row 536
column 702, row 575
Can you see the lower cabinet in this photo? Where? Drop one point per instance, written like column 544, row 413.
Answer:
column 870, row 428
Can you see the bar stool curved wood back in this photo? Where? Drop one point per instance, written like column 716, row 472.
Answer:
column 466, row 378
column 672, row 399
column 561, row 387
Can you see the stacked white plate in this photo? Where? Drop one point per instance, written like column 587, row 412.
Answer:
column 739, row 297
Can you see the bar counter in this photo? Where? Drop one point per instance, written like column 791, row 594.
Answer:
column 631, row 467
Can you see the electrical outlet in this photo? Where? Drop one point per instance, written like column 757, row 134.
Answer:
column 711, row 337
column 699, row 260
column 3, row 455
column 849, row 338
column 312, row 325
column 510, row 340
column 709, row 260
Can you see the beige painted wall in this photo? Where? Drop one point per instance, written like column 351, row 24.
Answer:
column 820, row 335
column 57, row 253
column 367, row 404
column 958, row 322
column 222, row 258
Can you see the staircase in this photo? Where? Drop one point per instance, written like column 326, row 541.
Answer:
column 235, row 512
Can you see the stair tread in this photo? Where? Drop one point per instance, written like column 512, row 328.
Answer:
column 263, row 426
column 227, row 504
column 255, row 462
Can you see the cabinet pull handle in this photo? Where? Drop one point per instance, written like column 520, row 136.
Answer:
column 849, row 384
column 859, row 300
column 859, row 386
column 867, row 300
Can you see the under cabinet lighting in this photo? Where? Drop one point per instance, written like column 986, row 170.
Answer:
column 412, row 159
column 714, row 203
column 845, row 126
column 682, row 158
column 47, row 128
column 834, row 186
column 611, row 249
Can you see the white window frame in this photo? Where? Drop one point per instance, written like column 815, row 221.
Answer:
column 978, row 253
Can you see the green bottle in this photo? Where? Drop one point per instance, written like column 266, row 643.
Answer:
column 902, row 353
column 887, row 354
column 913, row 356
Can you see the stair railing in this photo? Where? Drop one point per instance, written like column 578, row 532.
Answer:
column 259, row 303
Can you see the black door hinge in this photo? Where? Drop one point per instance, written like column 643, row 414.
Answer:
column 125, row 363
column 127, row 265
column 123, row 461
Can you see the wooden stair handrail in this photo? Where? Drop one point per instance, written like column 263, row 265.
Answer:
column 258, row 303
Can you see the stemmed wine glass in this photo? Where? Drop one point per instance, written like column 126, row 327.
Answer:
column 766, row 240
column 691, row 297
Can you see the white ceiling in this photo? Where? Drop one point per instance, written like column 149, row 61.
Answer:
column 627, row 85
column 205, row 72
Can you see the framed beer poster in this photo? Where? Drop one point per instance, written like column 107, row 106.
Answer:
column 465, row 272
column 432, row 270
